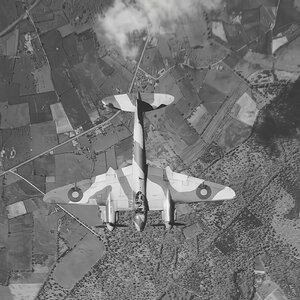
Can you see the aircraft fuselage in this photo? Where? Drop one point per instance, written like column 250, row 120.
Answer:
column 139, row 168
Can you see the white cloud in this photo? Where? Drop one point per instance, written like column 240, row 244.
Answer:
column 127, row 16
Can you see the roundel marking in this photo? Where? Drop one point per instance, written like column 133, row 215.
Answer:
column 203, row 191
column 75, row 194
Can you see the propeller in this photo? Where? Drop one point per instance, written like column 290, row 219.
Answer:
column 164, row 225
column 114, row 225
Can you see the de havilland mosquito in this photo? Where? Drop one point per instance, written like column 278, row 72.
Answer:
column 139, row 187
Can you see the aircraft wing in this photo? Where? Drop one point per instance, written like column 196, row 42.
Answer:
column 183, row 188
column 118, row 184
column 95, row 191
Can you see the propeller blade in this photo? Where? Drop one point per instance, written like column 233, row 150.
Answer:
column 157, row 225
column 179, row 224
column 115, row 225
column 173, row 224
column 121, row 225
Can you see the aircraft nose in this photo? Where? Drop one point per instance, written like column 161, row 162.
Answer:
column 139, row 221
column 168, row 226
column 225, row 194
column 110, row 226
column 107, row 100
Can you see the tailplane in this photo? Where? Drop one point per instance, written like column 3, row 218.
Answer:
column 148, row 101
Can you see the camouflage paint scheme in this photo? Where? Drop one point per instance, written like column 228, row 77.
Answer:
column 139, row 187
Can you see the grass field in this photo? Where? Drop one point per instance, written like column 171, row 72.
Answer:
column 79, row 261
column 9, row 43
column 44, row 165
column 4, row 267
column 39, row 106
column 58, row 21
column 45, row 231
column 119, row 81
column 19, row 138
column 75, row 110
column 163, row 145
column 27, row 171
column 13, row 116
column 180, row 125
column 70, row 47
column 288, row 57
column 211, row 98
column 234, row 132
column 43, row 136
column 70, row 168
column 67, row 148
column 209, row 54
column 24, row 291
column 10, row 93
column 5, row 292
column 235, row 35
column 100, row 164
column 61, row 120
column 196, row 76
column 20, row 250
column 23, row 75
column 8, row 13
column 6, row 68
column 21, row 223
column 225, row 81
column 43, row 80
column 287, row 13
column 167, row 84
column 73, row 231
column 190, row 100
column 152, row 61
column 61, row 81
column 89, row 75
column 13, row 193
column 199, row 118
column 122, row 132
column 3, row 232
column 106, row 140
column 247, row 109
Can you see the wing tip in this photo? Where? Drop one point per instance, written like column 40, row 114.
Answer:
column 168, row 168
column 110, row 171
column 225, row 194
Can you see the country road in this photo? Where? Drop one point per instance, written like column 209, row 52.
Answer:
column 18, row 20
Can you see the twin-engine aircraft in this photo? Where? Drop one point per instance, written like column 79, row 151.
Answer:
column 139, row 187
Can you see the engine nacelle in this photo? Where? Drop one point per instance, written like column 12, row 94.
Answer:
column 108, row 214
column 168, row 212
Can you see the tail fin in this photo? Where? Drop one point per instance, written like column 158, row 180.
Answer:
column 127, row 102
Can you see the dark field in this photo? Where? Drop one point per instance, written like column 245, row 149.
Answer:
column 21, row 223
column 20, row 250
column 4, row 266
column 176, row 121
